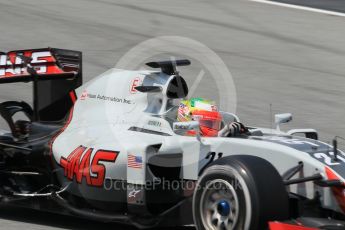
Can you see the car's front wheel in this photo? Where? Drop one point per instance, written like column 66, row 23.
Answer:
column 240, row 193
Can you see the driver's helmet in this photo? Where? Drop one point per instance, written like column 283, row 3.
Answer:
column 204, row 111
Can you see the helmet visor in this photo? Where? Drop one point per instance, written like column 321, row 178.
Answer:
column 212, row 124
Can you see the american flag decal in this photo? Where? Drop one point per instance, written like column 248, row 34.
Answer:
column 135, row 162
column 182, row 112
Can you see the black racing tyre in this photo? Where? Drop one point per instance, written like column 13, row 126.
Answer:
column 240, row 193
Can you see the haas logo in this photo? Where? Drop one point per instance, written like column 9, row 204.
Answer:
column 79, row 165
column 10, row 64
column 84, row 95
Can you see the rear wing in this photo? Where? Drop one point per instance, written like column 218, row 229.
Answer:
column 49, row 63
column 55, row 74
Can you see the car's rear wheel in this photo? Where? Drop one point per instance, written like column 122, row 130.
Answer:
column 240, row 193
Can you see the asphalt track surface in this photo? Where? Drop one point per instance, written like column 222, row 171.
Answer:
column 292, row 59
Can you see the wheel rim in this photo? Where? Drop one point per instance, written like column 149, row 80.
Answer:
column 219, row 205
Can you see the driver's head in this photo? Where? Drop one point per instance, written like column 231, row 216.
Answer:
column 204, row 111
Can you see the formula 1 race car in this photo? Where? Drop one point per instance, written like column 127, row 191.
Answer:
column 111, row 150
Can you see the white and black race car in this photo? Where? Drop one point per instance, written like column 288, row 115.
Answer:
column 111, row 150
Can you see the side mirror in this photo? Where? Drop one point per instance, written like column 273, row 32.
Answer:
column 183, row 127
column 186, row 126
column 309, row 133
column 282, row 118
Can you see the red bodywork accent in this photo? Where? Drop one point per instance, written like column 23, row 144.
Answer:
column 338, row 192
column 73, row 96
column 283, row 226
column 70, row 116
